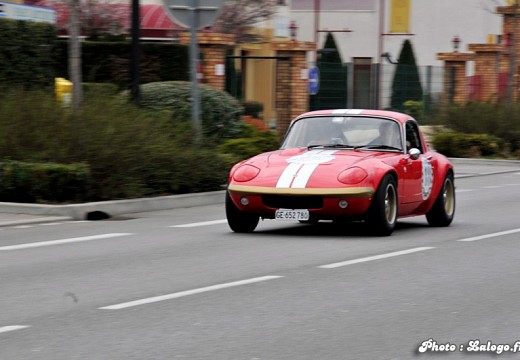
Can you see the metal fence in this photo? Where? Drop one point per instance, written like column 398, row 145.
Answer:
column 372, row 86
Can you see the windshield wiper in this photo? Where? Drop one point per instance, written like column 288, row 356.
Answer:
column 373, row 147
column 343, row 146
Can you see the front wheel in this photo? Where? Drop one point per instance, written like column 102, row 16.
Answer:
column 382, row 215
column 239, row 221
column 443, row 209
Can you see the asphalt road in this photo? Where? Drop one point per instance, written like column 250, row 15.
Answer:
column 178, row 284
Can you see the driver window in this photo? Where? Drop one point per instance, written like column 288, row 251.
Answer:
column 413, row 140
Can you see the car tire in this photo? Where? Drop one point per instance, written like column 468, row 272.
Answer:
column 239, row 221
column 382, row 214
column 443, row 209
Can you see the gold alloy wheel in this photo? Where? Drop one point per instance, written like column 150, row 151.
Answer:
column 448, row 197
column 390, row 204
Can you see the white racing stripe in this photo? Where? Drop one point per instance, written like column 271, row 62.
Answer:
column 12, row 328
column 288, row 175
column 62, row 241
column 376, row 257
column 487, row 236
column 203, row 223
column 301, row 167
column 188, row 292
column 303, row 176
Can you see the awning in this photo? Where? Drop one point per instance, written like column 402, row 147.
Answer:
column 156, row 23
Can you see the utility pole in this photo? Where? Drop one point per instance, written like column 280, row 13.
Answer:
column 512, row 55
column 136, row 54
column 75, row 56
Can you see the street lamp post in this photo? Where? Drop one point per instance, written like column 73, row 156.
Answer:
column 293, row 28
column 456, row 43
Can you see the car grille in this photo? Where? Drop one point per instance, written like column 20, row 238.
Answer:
column 292, row 202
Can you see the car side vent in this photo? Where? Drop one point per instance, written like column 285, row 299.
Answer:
column 292, row 202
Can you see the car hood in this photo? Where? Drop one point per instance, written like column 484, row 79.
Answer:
column 311, row 168
column 336, row 157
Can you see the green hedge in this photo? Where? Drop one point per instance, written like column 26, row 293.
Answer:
column 26, row 54
column 110, row 62
column 495, row 119
column 455, row 144
column 252, row 142
column 43, row 182
column 219, row 111
column 130, row 152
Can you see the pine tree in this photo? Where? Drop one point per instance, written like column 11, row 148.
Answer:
column 332, row 92
column 407, row 84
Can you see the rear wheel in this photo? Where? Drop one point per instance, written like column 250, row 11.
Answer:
column 443, row 210
column 239, row 221
column 382, row 215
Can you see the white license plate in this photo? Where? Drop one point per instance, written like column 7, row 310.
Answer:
column 287, row 214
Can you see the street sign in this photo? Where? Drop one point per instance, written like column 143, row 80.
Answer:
column 314, row 80
column 207, row 11
column 194, row 14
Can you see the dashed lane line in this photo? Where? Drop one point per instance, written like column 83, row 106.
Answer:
column 188, row 293
column 62, row 241
column 5, row 329
column 492, row 235
column 376, row 257
column 203, row 223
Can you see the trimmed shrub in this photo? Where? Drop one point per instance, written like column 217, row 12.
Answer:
column 252, row 143
column 499, row 120
column 110, row 62
column 220, row 112
column 130, row 152
column 26, row 51
column 45, row 182
column 253, row 108
column 454, row 144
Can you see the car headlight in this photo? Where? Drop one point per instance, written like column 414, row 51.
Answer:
column 353, row 175
column 245, row 173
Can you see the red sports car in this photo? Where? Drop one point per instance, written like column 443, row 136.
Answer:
column 367, row 165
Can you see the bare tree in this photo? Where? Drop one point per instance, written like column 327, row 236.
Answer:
column 239, row 15
column 96, row 17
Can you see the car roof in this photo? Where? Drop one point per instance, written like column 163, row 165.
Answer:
column 400, row 117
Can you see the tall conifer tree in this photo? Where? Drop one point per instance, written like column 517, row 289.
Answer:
column 407, row 84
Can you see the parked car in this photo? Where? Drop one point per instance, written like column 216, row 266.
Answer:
column 367, row 165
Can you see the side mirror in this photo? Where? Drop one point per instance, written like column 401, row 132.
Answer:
column 414, row 153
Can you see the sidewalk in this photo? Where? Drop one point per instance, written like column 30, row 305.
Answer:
column 14, row 214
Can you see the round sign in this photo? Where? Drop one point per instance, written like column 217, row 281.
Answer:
column 314, row 80
column 180, row 11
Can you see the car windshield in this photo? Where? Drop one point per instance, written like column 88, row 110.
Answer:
column 357, row 132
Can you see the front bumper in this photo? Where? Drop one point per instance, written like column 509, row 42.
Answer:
column 322, row 203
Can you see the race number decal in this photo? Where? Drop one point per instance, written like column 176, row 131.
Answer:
column 427, row 178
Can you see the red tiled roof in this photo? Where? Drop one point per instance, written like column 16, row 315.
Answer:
column 154, row 17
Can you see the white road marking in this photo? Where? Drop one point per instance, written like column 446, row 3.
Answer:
column 22, row 227
column 492, row 187
column 464, row 190
column 188, row 292
column 203, row 223
column 62, row 241
column 487, row 236
column 376, row 257
column 12, row 328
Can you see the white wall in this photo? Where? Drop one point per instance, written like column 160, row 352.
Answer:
column 434, row 23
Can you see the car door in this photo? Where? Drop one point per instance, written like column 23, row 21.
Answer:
column 417, row 172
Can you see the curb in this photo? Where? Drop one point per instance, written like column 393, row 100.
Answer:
column 113, row 208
